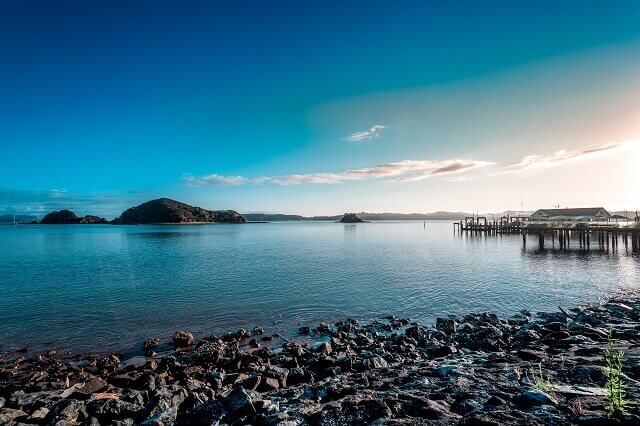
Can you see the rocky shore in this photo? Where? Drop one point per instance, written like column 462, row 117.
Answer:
column 534, row 369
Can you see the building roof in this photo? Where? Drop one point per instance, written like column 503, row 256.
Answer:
column 587, row 211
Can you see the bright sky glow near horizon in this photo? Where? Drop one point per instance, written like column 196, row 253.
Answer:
column 319, row 107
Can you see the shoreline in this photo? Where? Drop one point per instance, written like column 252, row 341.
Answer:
column 473, row 369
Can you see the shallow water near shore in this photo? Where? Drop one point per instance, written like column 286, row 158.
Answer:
column 102, row 288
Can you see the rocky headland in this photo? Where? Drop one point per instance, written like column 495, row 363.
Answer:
column 350, row 218
column 67, row 217
column 534, row 369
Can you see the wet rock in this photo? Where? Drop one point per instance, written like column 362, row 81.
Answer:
column 84, row 390
column 204, row 414
column 250, row 383
column 297, row 376
column 446, row 326
column 211, row 352
column 65, row 412
column 108, row 410
column 239, row 403
column 533, row 397
column 149, row 346
column 9, row 415
column 442, row 351
column 446, row 370
column 268, row 384
column 353, row 410
column 164, row 418
column 109, row 363
column 38, row 415
column 424, row 408
column 304, row 331
column 182, row 339
column 531, row 355
column 322, row 347
column 377, row 362
column 589, row 374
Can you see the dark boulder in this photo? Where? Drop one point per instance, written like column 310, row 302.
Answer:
column 182, row 339
column 239, row 403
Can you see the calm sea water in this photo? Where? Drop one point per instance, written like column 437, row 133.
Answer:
column 103, row 288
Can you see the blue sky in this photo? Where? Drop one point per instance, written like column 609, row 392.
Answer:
column 318, row 107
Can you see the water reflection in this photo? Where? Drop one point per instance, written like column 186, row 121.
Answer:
column 112, row 286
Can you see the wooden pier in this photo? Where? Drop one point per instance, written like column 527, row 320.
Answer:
column 583, row 236
column 480, row 224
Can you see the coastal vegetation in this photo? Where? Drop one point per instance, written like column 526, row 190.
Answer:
column 616, row 403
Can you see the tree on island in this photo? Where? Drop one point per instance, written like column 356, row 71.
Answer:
column 350, row 218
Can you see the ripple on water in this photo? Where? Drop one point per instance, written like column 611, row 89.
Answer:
column 109, row 287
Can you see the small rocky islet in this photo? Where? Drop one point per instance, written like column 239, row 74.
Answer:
column 350, row 218
column 547, row 368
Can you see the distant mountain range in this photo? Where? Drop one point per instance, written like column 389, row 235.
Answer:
column 274, row 217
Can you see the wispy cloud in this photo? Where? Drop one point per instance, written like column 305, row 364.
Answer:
column 373, row 131
column 411, row 170
column 532, row 162
column 402, row 171
column 448, row 167
column 215, row 179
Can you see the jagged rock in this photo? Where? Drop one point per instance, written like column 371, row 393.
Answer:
column 149, row 346
column 442, row 351
column 205, row 414
column 445, row 325
column 108, row 363
column 239, row 403
column 182, row 339
column 299, row 376
column 65, row 412
column 268, row 384
column 9, row 415
column 533, row 397
column 108, row 410
column 531, row 355
column 84, row 390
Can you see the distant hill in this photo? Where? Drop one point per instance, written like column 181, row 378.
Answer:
column 8, row 218
column 165, row 210
column 364, row 215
